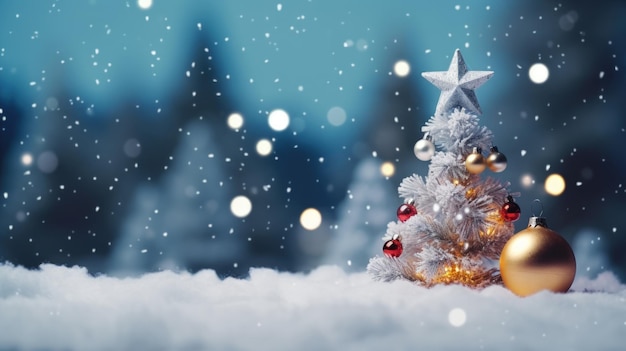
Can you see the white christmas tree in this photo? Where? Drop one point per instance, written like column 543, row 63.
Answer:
column 453, row 224
column 181, row 222
column 361, row 217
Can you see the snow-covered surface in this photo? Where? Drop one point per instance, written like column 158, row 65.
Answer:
column 60, row 308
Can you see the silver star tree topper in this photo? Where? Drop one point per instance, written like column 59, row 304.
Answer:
column 457, row 86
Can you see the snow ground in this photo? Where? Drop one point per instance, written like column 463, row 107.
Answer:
column 61, row 308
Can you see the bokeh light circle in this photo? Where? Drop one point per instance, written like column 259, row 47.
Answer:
column 457, row 317
column 555, row 184
column 387, row 169
column 235, row 120
column 401, row 68
column 264, row 147
column 538, row 73
column 240, row 206
column 310, row 219
column 336, row 116
column 47, row 161
column 278, row 120
column 27, row 159
column 144, row 4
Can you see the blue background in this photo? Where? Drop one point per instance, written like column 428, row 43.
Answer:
column 83, row 82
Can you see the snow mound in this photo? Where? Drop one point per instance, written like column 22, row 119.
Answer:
column 61, row 308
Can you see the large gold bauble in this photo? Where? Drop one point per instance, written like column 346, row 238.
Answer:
column 475, row 162
column 536, row 259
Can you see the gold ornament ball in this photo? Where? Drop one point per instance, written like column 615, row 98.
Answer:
column 475, row 162
column 496, row 161
column 537, row 259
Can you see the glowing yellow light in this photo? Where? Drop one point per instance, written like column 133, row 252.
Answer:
column 387, row 169
column 454, row 274
column 27, row 159
column 457, row 317
column 402, row 68
column 310, row 219
column 470, row 193
column 278, row 120
column 264, row 147
column 527, row 181
column 496, row 226
column 241, row 206
column 235, row 120
column 144, row 4
column 555, row 184
column 538, row 73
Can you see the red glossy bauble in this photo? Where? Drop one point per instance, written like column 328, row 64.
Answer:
column 511, row 211
column 392, row 248
column 406, row 211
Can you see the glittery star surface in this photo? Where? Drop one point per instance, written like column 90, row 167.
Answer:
column 457, row 86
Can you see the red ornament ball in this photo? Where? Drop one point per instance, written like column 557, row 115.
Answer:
column 392, row 248
column 406, row 211
column 511, row 211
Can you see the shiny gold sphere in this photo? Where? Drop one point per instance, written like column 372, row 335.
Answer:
column 496, row 161
column 536, row 259
column 475, row 163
